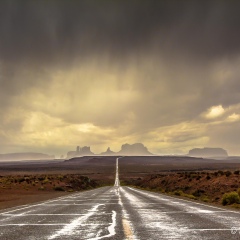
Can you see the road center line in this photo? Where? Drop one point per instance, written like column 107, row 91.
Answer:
column 127, row 227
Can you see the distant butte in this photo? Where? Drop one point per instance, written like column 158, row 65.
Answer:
column 208, row 152
column 108, row 152
column 136, row 149
column 85, row 151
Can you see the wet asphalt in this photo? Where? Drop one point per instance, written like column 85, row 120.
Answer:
column 118, row 213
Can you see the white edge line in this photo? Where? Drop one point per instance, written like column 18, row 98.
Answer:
column 25, row 206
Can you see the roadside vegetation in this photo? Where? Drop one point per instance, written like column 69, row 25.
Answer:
column 231, row 198
column 219, row 187
column 28, row 188
column 48, row 182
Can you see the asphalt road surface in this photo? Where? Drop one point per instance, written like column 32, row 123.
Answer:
column 118, row 213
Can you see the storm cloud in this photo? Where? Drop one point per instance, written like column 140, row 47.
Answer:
column 49, row 30
column 108, row 72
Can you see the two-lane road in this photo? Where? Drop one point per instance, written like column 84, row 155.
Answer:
column 118, row 213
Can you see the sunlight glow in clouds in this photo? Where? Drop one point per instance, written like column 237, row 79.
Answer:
column 234, row 117
column 215, row 111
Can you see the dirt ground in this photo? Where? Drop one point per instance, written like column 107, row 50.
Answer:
column 29, row 188
column 16, row 198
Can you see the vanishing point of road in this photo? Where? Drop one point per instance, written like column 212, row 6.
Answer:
column 118, row 213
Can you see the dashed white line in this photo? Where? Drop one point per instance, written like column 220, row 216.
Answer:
column 69, row 228
column 54, row 214
column 48, row 224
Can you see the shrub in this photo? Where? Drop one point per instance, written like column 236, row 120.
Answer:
column 198, row 192
column 181, row 193
column 159, row 189
column 58, row 188
column 236, row 172
column 230, row 198
column 228, row 173
column 27, row 179
column 186, row 188
column 41, row 188
column 238, row 191
column 193, row 175
column 205, row 199
column 45, row 181
column 20, row 180
column 189, row 196
column 178, row 193
column 41, row 178
column 220, row 172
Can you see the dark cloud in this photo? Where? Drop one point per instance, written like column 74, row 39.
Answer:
column 65, row 30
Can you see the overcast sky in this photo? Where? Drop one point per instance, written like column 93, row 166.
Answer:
column 104, row 73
